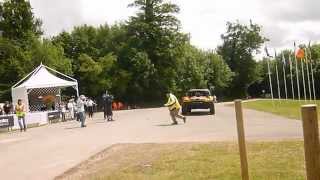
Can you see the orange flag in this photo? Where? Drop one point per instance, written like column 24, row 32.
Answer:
column 300, row 53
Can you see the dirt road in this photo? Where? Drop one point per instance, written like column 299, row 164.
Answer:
column 45, row 152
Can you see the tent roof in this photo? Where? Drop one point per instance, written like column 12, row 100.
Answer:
column 42, row 78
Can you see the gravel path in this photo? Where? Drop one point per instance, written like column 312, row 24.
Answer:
column 46, row 152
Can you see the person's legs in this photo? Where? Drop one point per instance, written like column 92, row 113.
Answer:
column 91, row 112
column 173, row 117
column 24, row 123
column 179, row 116
column 20, row 123
column 72, row 114
column 83, row 119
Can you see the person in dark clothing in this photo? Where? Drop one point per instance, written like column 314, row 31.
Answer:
column 107, row 106
column 7, row 108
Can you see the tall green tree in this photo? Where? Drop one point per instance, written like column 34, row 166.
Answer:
column 156, row 31
column 240, row 44
column 17, row 21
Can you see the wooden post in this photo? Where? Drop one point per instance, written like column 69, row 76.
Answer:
column 311, row 141
column 241, row 140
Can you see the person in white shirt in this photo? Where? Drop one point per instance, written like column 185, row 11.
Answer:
column 71, row 108
column 63, row 111
column 81, row 110
column 90, row 104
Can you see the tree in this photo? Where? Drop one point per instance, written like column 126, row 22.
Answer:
column 12, row 66
column 240, row 43
column 95, row 76
column 17, row 21
column 156, row 31
column 47, row 53
column 217, row 73
column 191, row 69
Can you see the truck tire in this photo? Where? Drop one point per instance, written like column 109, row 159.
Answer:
column 212, row 109
column 184, row 110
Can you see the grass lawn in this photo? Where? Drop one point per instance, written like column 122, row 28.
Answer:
column 286, row 108
column 191, row 161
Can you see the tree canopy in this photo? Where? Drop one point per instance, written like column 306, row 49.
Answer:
column 137, row 60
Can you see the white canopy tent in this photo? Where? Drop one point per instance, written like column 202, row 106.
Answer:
column 42, row 80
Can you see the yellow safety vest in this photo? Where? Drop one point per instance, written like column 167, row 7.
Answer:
column 20, row 110
column 173, row 102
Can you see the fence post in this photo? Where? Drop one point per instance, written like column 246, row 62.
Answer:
column 311, row 141
column 241, row 140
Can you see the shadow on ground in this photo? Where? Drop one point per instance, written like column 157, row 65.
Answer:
column 199, row 113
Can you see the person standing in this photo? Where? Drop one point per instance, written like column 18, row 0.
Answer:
column 76, row 114
column 174, row 108
column 63, row 111
column 21, row 113
column 70, row 106
column 90, row 104
column 7, row 108
column 1, row 110
column 107, row 106
column 81, row 111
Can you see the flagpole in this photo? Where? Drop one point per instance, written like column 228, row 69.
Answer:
column 303, row 80
column 308, row 75
column 270, row 81
column 275, row 57
column 312, row 77
column 291, row 77
column 284, row 76
column 297, row 72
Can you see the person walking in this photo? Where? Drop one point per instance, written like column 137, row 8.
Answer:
column 21, row 112
column 107, row 106
column 90, row 104
column 174, row 108
column 81, row 111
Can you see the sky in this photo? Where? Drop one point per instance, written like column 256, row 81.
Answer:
column 283, row 22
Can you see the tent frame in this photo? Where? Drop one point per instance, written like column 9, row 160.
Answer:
column 34, row 72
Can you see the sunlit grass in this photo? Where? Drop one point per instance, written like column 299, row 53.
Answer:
column 286, row 108
column 220, row 161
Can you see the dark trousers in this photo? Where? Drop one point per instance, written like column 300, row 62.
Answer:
column 22, row 123
column 63, row 116
column 90, row 111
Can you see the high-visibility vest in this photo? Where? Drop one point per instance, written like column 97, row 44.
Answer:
column 20, row 110
column 173, row 102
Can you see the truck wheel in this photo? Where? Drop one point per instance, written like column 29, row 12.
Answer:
column 184, row 110
column 212, row 109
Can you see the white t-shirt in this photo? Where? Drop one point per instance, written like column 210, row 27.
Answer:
column 90, row 103
column 70, row 106
column 80, row 106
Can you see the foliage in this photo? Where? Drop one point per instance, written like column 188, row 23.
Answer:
column 137, row 60
column 240, row 42
column 17, row 21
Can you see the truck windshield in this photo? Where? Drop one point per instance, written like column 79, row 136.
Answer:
column 198, row 93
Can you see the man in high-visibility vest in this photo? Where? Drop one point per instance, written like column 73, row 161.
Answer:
column 174, row 108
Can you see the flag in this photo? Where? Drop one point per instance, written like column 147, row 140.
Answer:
column 300, row 53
